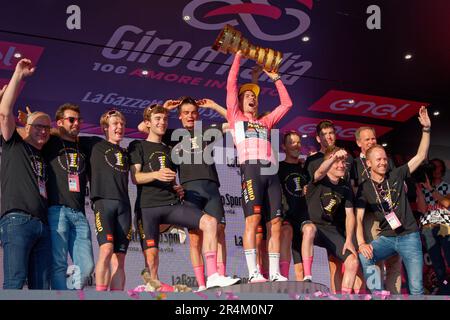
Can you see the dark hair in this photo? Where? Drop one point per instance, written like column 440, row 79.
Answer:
column 288, row 134
column 66, row 106
column 187, row 100
column 330, row 150
column 442, row 162
column 323, row 125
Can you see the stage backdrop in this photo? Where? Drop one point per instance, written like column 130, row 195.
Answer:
column 175, row 266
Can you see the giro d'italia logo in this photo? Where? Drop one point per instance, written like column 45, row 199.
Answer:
column 195, row 14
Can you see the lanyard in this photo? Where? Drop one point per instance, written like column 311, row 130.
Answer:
column 366, row 168
column 35, row 163
column 388, row 200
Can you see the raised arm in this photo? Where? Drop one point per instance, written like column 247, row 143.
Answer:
column 232, row 88
column 422, row 153
column 321, row 172
column 211, row 104
column 23, row 69
column 285, row 100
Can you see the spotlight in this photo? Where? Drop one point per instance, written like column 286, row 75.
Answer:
column 186, row 18
column 17, row 55
column 305, row 39
column 384, row 144
column 144, row 72
column 351, row 101
column 304, row 136
column 436, row 113
column 408, row 56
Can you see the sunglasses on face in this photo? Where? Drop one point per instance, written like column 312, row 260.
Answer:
column 73, row 119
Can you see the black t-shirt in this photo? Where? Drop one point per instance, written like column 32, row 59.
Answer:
column 22, row 166
column 110, row 165
column 152, row 157
column 293, row 178
column 313, row 163
column 392, row 195
column 361, row 172
column 66, row 158
column 327, row 202
column 191, row 151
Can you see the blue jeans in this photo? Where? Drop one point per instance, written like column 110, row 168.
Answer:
column 70, row 233
column 26, row 251
column 434, row 243
column 409, row 247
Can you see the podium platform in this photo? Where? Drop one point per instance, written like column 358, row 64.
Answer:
column 286, row 287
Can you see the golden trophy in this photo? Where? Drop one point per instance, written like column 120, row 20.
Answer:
column 231, row 40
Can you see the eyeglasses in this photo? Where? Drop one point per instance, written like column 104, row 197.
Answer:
column 40, row 127
column 73, row 119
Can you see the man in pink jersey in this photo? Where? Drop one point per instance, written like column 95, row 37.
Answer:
column 251, row 136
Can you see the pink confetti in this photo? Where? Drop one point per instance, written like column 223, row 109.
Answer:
column 367, row 297
column 218, row 293
column 133, row 294
column 140, row 288
column 294, row 296
column 320, row 294
column 231, row 296
column 201, row 295
column 382, row 294
column 81, row 294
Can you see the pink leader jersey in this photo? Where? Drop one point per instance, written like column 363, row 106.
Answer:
column 252, row 136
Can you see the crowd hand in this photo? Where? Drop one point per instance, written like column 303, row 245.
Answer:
column 22, row 116
column 366, row 250
column 348, row 245
column 179, row 190
column 340, row 155
column 206, row 103
column 171, row 104
column 24, row 68
column 427, row 184
column 3, row 91
column 424, row 119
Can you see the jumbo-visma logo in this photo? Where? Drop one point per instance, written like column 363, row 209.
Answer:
column 197, row 18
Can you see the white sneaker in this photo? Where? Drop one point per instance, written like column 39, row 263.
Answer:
column 200, row 289
column 216, row 280
column 277, row 277
column 256, row 277
column 307, row 279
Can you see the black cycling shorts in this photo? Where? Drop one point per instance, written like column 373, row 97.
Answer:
column 205, row 195
column 258, row 190
column 149, row 219
column 113, row 223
